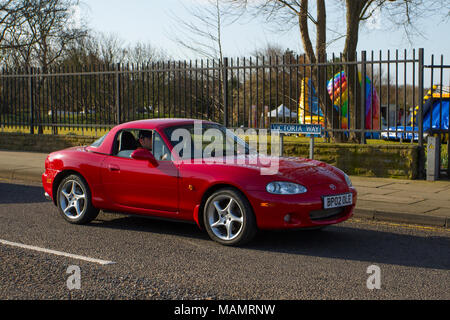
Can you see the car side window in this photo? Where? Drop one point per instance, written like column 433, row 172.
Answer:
column 126, row 143
column 160, row 150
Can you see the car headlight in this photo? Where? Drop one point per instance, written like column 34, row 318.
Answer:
column 347, row 179
column 279, row 187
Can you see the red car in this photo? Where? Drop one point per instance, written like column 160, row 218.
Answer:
column 227, row 193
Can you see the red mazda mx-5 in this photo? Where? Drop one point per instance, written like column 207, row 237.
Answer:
column 198, row 171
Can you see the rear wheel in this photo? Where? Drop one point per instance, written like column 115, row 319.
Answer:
column 229, row 218
column 74, row 200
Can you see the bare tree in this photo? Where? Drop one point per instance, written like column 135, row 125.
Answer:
column 50, row 21
column 111, row 48
column 11, row 17
column 83, row 52
column 203, row 35
column 141, row 53
column 42, row 37
column 44, row 33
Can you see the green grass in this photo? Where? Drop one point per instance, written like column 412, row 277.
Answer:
column 89, row 132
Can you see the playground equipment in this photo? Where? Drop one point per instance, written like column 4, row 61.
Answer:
column 311, row 113
column 435, row 110
column 435, row 117
column 338, row 90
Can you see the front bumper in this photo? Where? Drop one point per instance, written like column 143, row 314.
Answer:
column 297, row 211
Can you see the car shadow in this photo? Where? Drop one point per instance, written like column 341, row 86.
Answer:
column 348, row 242
column 148, row 224
column 345, row 242
column 16, row 193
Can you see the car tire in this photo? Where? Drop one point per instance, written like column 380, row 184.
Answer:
column 228, row 218
column 74, row 200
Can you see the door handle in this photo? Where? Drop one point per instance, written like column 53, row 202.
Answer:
column 113, row 167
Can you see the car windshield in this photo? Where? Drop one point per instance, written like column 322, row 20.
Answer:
column 97, row 143
column 205, row 140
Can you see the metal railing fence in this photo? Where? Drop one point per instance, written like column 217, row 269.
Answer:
column 376, row 96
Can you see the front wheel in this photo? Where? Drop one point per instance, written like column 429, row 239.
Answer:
column 229, row 218
column 74, row 200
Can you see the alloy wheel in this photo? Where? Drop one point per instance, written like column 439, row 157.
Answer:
column 72, row 199
column 225, row 217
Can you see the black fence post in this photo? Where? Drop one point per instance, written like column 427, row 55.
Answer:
column 421, row 89
column 225, row 92
column 420, row 115
column 30, row 99
column 118, row 94
column 363, row 96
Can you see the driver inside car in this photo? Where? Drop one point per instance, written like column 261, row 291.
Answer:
column 145, row 140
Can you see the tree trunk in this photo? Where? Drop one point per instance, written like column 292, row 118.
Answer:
column 354, row 9
column 318, row 73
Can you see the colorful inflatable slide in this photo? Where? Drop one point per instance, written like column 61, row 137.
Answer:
column 310, row 112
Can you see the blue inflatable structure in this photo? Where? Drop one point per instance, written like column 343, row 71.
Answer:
column 436, row 111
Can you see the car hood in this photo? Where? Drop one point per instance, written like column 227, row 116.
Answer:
column 309, row 172
column 299, row 170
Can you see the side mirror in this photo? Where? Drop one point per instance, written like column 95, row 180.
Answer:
column 144, row 154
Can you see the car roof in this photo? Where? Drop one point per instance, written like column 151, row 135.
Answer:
column 148, row 124
column 159, row 123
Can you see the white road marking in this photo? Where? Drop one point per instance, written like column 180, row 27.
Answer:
column 58, row 253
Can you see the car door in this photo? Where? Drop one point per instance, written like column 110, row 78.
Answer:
column 132, row 183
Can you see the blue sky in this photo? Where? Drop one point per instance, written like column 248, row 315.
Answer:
column 151, row 21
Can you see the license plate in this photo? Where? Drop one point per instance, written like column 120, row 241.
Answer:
column 339, row 200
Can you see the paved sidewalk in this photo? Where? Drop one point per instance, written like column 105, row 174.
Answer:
column 410, row 201
column 407, row 201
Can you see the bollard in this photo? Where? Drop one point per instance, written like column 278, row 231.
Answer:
column 433, row 158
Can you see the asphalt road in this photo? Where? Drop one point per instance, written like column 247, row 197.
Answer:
column 165, row 260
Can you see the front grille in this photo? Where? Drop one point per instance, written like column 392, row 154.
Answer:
column 326, row 214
